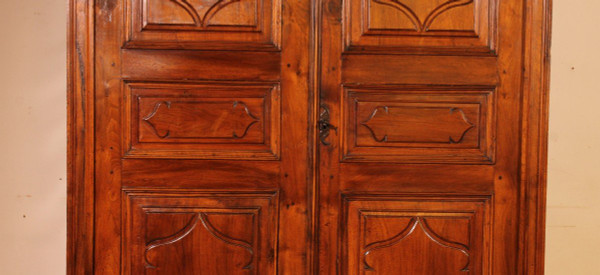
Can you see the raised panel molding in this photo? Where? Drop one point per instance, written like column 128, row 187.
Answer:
column 210, row 24
column 422, row 21
column 435, row 124
column 195, row 232
column 191, row 227
column 200, row 14
column 454, row 26
column 383, row 231
column 418, row 124
column 416, row 224
column 207, row 117
column 201, row 120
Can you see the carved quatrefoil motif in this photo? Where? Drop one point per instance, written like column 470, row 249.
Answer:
column 422, row 24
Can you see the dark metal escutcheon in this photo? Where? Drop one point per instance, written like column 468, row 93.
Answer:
column 324, row 125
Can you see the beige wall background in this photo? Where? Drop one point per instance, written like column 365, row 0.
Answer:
column 573, row 221
column 32, row 136
column 33, row 139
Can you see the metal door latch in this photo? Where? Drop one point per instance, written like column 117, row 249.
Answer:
column 324, row 125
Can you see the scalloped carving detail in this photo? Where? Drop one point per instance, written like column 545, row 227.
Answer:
column 180, row 235
column 202, row 19
column 188, row 228
column 382, row 121
column 422, row 25
column 162, row 126
column 421, row 223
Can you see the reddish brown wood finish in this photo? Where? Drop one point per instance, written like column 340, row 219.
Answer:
column 202, row 121
column 438, row 235
column 307, row 137
column 426, row 112
column 415, row 125
column 177, row 159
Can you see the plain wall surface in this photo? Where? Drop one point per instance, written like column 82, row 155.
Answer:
column 33, row 138
column 573, row 219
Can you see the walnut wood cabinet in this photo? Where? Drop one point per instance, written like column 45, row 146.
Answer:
column 307, row 136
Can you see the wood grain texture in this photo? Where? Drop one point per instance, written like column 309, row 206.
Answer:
column 429, row 76
column 108, row 125
column 294, row 227
column 202, row 120
column 383, row 234
column 80, row 138
column 183, row 232
column 440, row 25
column 535, row 136
column 386, row 67
column 419, row 70
column 419, row 124
column 200, row 15
column 216, row 24
column 201, row 174
column 262, row 85
column 439, row 124
column 422, row 15
column 200, row 65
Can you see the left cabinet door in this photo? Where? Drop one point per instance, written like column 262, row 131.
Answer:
column 188, row 137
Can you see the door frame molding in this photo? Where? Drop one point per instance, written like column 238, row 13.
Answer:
column 80, row 137
column 81, row 155
column 534, row 135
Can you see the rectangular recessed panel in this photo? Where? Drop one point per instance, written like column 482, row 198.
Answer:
column 443, row 25
column 211, row 24
column 399, row 124
column 207, row 120
column 407, row 234
column 201, row 120
column 417, row 125
column 196, row 233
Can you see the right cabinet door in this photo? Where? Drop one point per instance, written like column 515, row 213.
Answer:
column 419, row 154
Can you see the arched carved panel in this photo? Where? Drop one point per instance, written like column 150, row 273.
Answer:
column 167, row 255
column 406, row 235
column 200, row 233
column 203, row 24
column 422, row 14
column 200, row 15
column 448, row 25
column 414, row 238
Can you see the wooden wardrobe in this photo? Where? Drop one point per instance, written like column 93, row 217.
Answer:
column 290, row 137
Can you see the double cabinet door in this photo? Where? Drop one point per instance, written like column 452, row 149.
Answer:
column 305, row 137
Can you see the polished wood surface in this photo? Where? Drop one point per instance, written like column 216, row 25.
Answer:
column 419, row 124
column 189, row 167
column 202, row 121
column 307, row 137
column 427, row 97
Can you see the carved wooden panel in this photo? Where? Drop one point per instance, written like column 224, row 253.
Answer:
column 195, row 24
column 199, row 233
column 407, row 235
column 420, row 125
column 202, row 120
column 448, row 25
